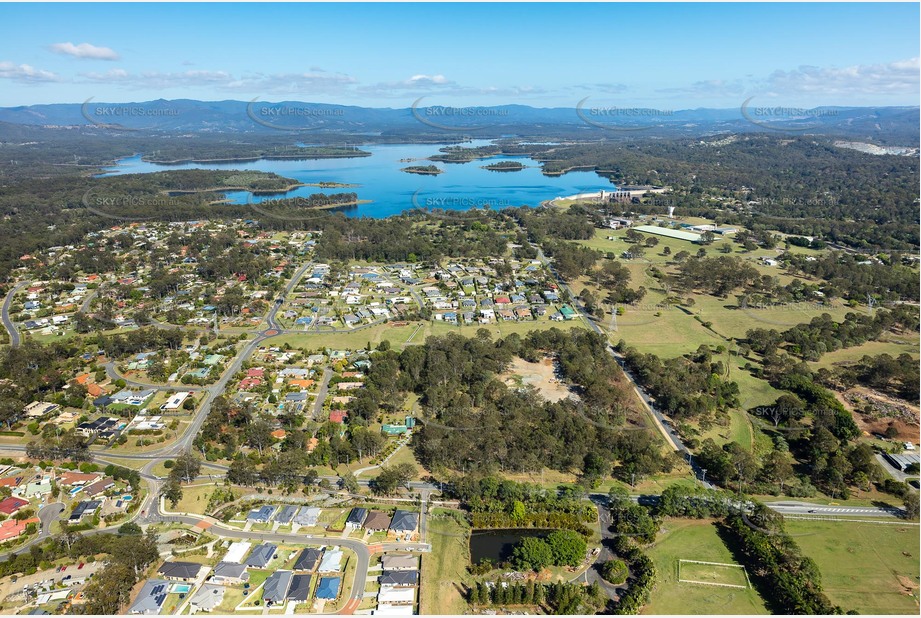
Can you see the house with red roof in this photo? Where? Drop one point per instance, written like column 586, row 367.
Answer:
column 77, row 478
column 248, row 383
column 11, row 529
column 338, row 416
column 12, row 505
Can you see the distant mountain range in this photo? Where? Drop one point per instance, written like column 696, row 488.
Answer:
column 884, row 125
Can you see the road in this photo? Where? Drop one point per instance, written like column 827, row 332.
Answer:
column 805, row 508
column 321, row 394
column 15, row 338
column 662, row 424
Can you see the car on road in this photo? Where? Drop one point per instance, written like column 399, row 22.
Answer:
column 811, row 511
column 80, row 566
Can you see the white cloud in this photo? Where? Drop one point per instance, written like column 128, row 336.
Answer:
column 25, row 73
column 898, row 77
column 314, row 82
column 85, row 51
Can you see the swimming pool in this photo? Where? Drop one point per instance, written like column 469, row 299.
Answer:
column 180, row 588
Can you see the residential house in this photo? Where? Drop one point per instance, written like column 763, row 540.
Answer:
column 399, row 562
column 400, row 579
column 179, row 571
column 207, row 598
column 275, row 589
column 332, row 561
column 261, row 515
column 308, row 559
column 14, row 528
column 356, row 518
column 150, row 600
column 261, row 556
column 404, row 522
column 377, row 521
column 396, row 596
column 229, row 573
column 300, row 588
column 307, row 516
column 84, row 509
column 328, row 588
column 10, row 506
column 99, row 487
column 286, row 514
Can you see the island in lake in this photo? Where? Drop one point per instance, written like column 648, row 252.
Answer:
column 504, row 166
column 431, row 170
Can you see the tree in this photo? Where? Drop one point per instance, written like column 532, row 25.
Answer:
column 129, row 528
column 242, row 472
column 390, row 479
column 568, row 547
column 258, row 434
column 532, row 553
column 614, row 571
column 172, row 491
column 186, row 468
column 911, row 505
column 778, row 467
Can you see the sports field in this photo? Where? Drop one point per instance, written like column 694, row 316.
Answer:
column 692, row 539
column 705, row 573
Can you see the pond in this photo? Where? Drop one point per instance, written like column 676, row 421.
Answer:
column 497, row 545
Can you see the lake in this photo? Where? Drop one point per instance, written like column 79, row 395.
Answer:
column 392, row 191
column 497, row 545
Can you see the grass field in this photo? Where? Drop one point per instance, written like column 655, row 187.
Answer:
column 893, row 347
column 398, row 335
column 444, row 570
column 712, row 573
column 695, row 540
column 870, row 568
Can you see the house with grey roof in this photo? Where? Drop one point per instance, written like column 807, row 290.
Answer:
column 307, row 516
column 356, row 518
column 300, row 588
column 150, row 599
column 285, row 514
column 399, row 562
column 308, row 559
column 179, row 571
column 207, row 598
column 261, row 555
column 229, row 573
column 404, row 522
column 400, row 579
column 275, row 589
column 261, row 515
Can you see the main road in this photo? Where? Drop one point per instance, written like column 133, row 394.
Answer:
column 15, row 338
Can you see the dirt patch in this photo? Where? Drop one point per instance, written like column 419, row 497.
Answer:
column 540, row 375
column 886, row 411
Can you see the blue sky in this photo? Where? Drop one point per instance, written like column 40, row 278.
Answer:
column 672, row 56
